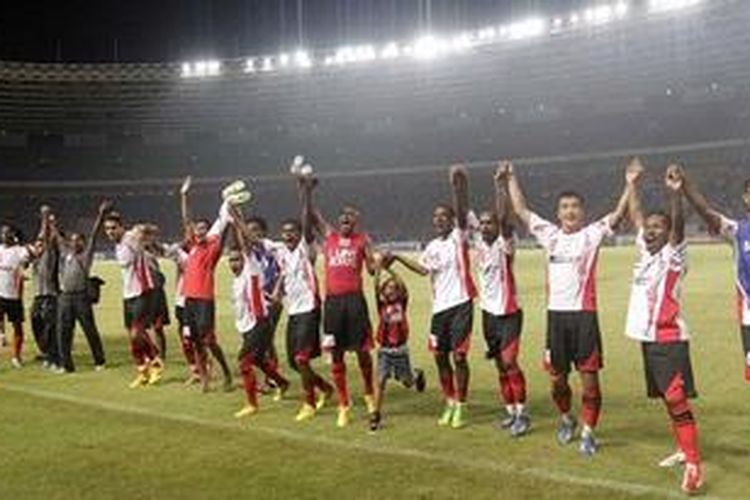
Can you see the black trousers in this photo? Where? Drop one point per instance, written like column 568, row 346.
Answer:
column 72, row 307
column 44, row 326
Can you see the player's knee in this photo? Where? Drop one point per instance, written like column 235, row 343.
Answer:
column 459, row 359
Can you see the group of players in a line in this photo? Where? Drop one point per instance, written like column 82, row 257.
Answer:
column 270, row 275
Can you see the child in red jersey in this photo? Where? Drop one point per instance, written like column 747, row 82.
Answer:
column 392, row 299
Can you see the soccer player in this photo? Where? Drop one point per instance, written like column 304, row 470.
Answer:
column 157, row 297
column 204, row 244
column 74, row 303
column 265, row 252
column 446, row 261
column 46, row 289
column 737, row 233
column 346, row 321
column 502, row 317
column 573, row 336
column 654, row 319
column 137, row 283
column 392, row 298
column 14, row 257
column 253, row 322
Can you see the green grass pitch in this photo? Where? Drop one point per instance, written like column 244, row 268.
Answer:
column 87, row 435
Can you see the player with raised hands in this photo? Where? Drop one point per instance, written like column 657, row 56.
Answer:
column 573, row 335
column 655, row 320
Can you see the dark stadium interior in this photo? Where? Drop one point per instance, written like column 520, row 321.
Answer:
column 385, row 133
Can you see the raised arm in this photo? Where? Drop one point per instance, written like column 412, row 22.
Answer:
column 187, row 225
column 308, row 219
column 222, row 221
column 633, row 174
column 459, row 180
column 104, row 207
column 517, row 198
column 503, row 207
column 700, row 204
column 621, row 209
column 674, row 181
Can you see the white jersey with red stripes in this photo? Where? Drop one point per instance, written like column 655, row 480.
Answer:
column 447, row 259
column 654, row 312
column 299, row 281
column 248, row 301
column 136, row 278
column 12, row 261
column 494, row 264
column 179, row 256
column 571, row 262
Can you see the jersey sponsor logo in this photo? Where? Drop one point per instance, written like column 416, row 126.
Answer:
column 342, row 257
column 563, row 259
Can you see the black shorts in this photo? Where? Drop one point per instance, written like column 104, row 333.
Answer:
column 303, row 337
column 501, row 332
column 159, row 307
column 450, row 330
column 12, row 309
column 662, row 363
column 346, row 322
column 395, row 363
column 257, row 341
column 136, row 310
column 200, row 318
column 573, row 337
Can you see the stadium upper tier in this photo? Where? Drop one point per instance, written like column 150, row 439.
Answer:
column 647, row 80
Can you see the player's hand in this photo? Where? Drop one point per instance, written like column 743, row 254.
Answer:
column 504, row 171
column 388, row 259
column 104, row 207
column 185, row 189
column 458, row 174
column 634, row 171
column 673, row 177
column 45, row 210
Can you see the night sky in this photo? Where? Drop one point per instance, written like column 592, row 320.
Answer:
column 171, row 30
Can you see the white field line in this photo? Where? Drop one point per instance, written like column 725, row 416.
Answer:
column 629, row 488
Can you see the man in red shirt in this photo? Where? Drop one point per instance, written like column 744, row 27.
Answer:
column 346, row 321
column 204, row 245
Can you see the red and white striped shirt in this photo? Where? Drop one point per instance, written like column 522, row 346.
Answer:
column 299, row 281
column 249, row 304
column 448, row 261
column 571, row 262
column 136, row 278
column 12, row 261
column 654, row 311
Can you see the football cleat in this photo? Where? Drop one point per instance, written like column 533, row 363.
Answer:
column 305, row 413
column 139, row 381
column 246, row 411
column 156, row 371
column 447, row 416
column 521, row 425
column 419, row 380
column 673, row 460
column 375, row 423
column 280, row 392
column 566, row 430
column 692, row 479
column 344, row 417
column 370, row 403
column 588, row 446
column 458, row 421
column 323, row 398
column 16, row 362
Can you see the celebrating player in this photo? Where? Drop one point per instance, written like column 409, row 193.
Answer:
column 502, row 318
column 204, row 244
column 446, row 261
column 14, row 257
column 253, row 321
column 736, row 232
column 346, row 322
column 46, row 289
column 573, row 335
column 137, row 283
column 655, row 320
column 392, row 298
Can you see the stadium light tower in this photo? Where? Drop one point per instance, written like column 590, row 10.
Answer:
column 667, row 5
column 528, row 28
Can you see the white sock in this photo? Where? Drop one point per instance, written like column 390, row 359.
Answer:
column 587, row 431
column 520, row 408
column 510, row 409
